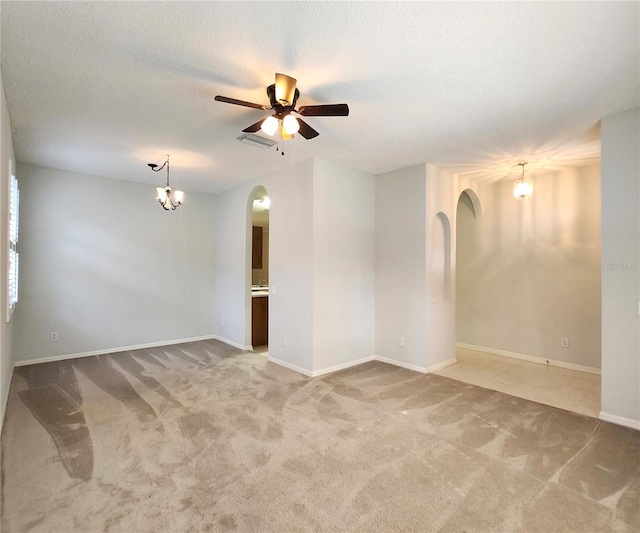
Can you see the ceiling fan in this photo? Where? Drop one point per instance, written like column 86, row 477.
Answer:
column 283, row 96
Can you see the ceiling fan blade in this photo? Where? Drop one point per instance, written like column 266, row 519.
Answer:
column 327, row 110
column 233, row 101
column 285, row 89
column 305, row 130
column 254, row 127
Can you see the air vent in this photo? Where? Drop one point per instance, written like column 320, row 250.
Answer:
column 256, row 140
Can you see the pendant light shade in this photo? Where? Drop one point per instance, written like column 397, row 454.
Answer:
column 521, row 188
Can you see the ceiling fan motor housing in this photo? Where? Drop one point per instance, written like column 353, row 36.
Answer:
column 280, row 109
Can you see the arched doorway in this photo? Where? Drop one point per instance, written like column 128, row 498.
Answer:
column 258, row 208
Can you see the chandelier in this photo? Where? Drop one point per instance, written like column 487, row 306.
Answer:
column 167, row 198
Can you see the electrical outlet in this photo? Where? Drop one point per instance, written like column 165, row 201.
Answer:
column 564, row 342
column 401, row 342
column 284, row 342
column 222, row 321
column 54, row 336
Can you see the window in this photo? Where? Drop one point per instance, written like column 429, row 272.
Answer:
column 14, row 207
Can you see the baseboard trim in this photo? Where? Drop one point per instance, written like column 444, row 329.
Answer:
column 295, row 368
column 443, row 364
column 115, row 350
column 232, row 343
column 5, row 397
column 530, row 358
column 620, row 420
column 342, row 366
column 394, row 362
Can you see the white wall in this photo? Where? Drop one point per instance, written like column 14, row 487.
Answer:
column 105, row 267
column 343, row 265
column 7, row 159
column 528, row 272
column 321, row 235
column 440, row 198
column 415, row 266
column 620, row 275
column 400, row 275
column 290, row 264
column 232, row 253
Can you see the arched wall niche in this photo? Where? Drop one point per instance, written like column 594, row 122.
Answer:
column 475, row 202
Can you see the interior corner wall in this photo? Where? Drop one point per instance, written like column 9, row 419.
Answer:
column 528, row 272
column 620, row 271
column 343, row 265
column 7, row 160
column 105, row 267
column 400, row 281
column 290, row 264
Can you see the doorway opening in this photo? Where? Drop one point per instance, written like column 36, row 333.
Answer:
column 259, row 289
column 497, row 286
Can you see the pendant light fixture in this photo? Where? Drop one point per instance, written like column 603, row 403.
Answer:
column 521, row 188
column 167, row 198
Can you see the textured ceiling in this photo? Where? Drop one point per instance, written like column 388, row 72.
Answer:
column 105, row 87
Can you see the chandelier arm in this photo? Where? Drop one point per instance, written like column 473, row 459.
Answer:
column 159, row 168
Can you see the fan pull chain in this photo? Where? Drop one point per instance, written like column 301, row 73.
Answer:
column 279, row 138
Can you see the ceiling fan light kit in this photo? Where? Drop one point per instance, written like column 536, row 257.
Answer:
column 283, row 96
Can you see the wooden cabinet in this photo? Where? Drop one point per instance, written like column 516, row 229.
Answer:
column 259, row 320
column 256, row 255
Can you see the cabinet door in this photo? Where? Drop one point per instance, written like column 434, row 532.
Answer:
column 260, row 321
column 256, row 256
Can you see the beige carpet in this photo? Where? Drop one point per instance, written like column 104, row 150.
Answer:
column 202, row 437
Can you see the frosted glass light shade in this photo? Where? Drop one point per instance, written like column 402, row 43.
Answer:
column 522, row 189
column 290, row 124
column 169, row 199
column 270, row 125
